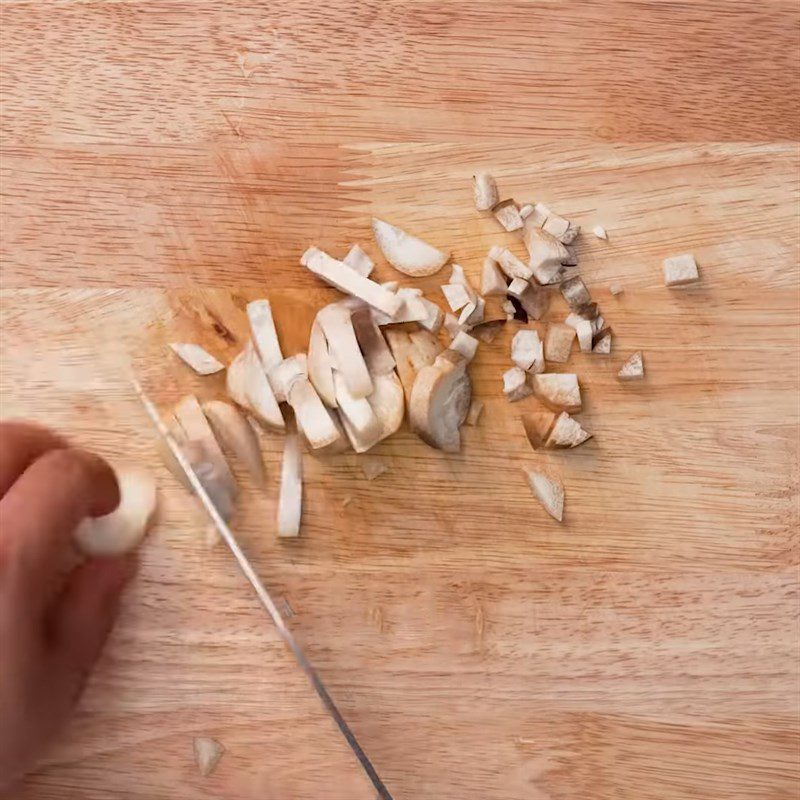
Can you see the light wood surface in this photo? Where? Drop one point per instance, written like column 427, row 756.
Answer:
column 165, row 162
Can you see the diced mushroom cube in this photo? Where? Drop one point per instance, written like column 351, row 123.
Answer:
column 633, row 368
column 485, row 189
column 680, row 270
column 507, row 214
column 527, row 351
column 515, row 384
column 558, row 342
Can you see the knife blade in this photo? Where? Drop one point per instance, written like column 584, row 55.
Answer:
column 263, row 595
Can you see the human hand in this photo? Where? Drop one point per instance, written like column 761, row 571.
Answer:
column 56, row 609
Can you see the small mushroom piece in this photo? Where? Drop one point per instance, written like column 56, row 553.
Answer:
column 537, row 427
column 388, row 403
column 507, row 214
column 570, row 234
column 598, row 323
column 539, row 215
column 207, row 753
column 285, row 374
column 337, row 325
column 290, row 498
column 313, row 418
column 680, row 270
column 466, row 345
column 236, row 434
column 525, row 211
column 549, row 492
column 616, row 289
column 548, row 256
column 472, row 314
column 558, row 342
column 347, row 280
column 517, row 287
column 440, row 401
column 377, row 354
column 458, row 276
column 248, row 386
column 492, row 281
column 566, row 432
column 559, row 391
column 527, row 351
column 427, row 347
column 456, row 295
column 600, row 232
column 601, row 343
column 575, row 293
column 358, row 260
column 407, row 253
column 265, row 337
column 409, row 357
column 362, row 425
column 510, row 264
column 199, row 359
column 373, row 467
column 320, row 365
column 484, row 187
column 585, row 333
column 555, row 225
column 633, row 368
column 515, row 384
column 534, row 300
column 120, row 531
column 475, row 411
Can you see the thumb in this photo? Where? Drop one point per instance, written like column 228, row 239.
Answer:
column 85, row 613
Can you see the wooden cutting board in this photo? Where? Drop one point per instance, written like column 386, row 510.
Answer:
column 164, row 163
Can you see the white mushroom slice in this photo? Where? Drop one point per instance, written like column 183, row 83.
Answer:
column 248, row 386
column 484, row 187
column 602, row 342
column 466, row 345
column 377, row 354
column 585, row 335
column 373, row 468
column 290, row 499
column 633, row 368
column 388, row 403
column 406, row 356
column 527, row 351
column 362, row 425
column 616, row 289
column 547, row 255
column 440, row 402
column 515, row 384
column 120, row 531
column 549, row 492
column 600, row 232
column 427, row 348
column 236, row 434
column 525, row 211
column 453, row 326
column 358, row 260
column 517, row 287
column 391, row 286
column 558, row 342
column 207, row 753
column 570, row 235
column 507, row 214
column 286, row 373
column 566, row 432
column 575, row 293
column 337, row 325
column 456, row 295
column 475, row 317
column 508, row 307
column 492, row 281
column 346, row 280
column 265, row 337
column 598, row 323
column 458, row 276
column 573, row 319
column 680, row 270
column 559, row 391
column 534, row 299
column 435, row 318
column 466, row 312
column 555, row 225
column 539, row 215
column 510, row 264
column 488, row 330
column 537, row 427
column 407, row 253
column 475, row 411
column 208, row 460
column 320, row 365
column 199, row 359
column 312, row 417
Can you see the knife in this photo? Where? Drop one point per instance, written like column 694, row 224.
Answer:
column 263, row 595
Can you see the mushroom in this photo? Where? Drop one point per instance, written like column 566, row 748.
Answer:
column 207, row 753
column 539, row 215
column 199, row 359
column 265, row 337
column 313, row 418
column 456, row 295
column 407, row 253
column 585, row 334
column 120, row 531
column 360, row 422
column 337, row 325
column 515, row 384
column 600, row 232
column 453, row 326
column 472, row 313
column 525, row 211
column 633, row 368
column 388, row 403
column 459, row 277
column 558, row 342
column 680, row 270
column 549, row 492
column 373, row 468
column 492, row 282
column 248, row 386
column 601, row 343
column 320, row 365
column 407, row 356
column 566, row 432
column 507, row 214
column 537, row 427
column 475, row 411
column 290, row 499
column 359, row 261
column 559, row 391
column 527, row 351
column 510, row 264
column 440, row 401
column 548, row 256
column 466, row 345
column 533, row 299
column 347, row 280
column 235, row 434
column 575, row 293
column 377, row 355
column 616, row 289
column 484, row 187
column 427, row 347
column 285, row 374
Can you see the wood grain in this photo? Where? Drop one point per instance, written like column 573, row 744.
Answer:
column 163, row 163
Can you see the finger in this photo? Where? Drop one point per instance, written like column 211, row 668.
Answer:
column 20, row 445
column 84, row 614
column 41, row 510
